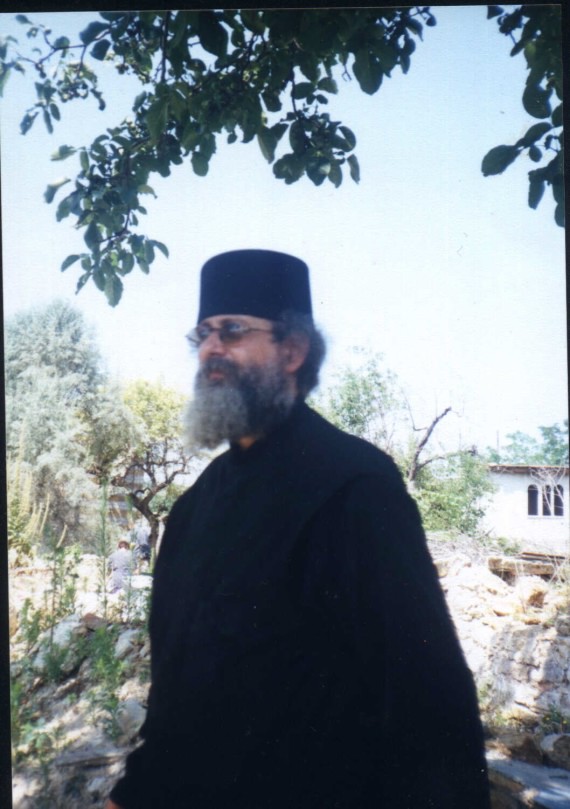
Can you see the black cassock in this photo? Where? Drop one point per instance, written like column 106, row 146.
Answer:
column 303, row 656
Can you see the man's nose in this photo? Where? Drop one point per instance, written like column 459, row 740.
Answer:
column 212, row 346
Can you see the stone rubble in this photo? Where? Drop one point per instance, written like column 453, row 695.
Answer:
column 515, row 632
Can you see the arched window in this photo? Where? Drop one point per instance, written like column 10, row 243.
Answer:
column 547, row 501
column 559, row 501
column 533, row 500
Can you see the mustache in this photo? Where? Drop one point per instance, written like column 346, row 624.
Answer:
column 218, row 364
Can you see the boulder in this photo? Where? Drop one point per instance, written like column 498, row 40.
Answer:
column 92, row 621
column 511, row 568
column 126, row 643
column 556, row 748
column 521, row 746
column 531, row 591
column 59, row 641
column 130, row 717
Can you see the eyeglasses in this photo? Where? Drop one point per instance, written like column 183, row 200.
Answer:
column 229, row 332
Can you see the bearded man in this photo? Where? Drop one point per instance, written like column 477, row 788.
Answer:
column 302, row 653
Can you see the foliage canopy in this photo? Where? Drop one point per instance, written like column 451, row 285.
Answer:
column 540, row 41
column 245, row 74
column 551, row 450
column 449, row 487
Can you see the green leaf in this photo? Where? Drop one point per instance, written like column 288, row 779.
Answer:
column 61, row 42
column 415, row 26
column 328, row 85
column 21, row 18
column 309, row 65
column 128, row 262
column 335, row 174
column 493, row 11
column 157, row 118
column 113, row 289
column 63, row 152
column 536, row 101
column 533, row 134
column 271, row 100
column 279, row 130
column 160, row 246
column 349, row 136
column 289, row 168
column 27, row 122
column 82, row 281
column 267, row 143
column 52, row 188
column 498, row 158
column 213, row 36
column 199, row 164
column 559, row 214
column 297, row 137
column 99, row 278
column 387, row 53
column 253, row 20
column 47, row 121
column 91, row 236
column 69, row 261
column 99, row 50
column 92, row 32
column 354, row 168
column 148, row 251
column 302, row 89
column 535, row 191
column 84, row 160
column 368, row 72
column 54, row 109
column 535, row 154
column 557, row 119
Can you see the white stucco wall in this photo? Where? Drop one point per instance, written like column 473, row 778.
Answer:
column 507, row 514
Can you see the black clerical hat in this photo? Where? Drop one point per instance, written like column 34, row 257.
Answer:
column 262, row 283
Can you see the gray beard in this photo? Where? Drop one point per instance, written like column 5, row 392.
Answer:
column 247, row 402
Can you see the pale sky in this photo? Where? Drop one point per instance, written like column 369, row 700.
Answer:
column 446, row 273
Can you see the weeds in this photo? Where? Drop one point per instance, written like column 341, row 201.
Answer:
column 108, row 673
column 554, row 721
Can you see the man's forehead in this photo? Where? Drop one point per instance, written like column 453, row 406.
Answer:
column 218, row 320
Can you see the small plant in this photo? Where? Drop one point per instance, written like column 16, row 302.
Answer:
column 32, row 623
column 554, row 721
column 103, row 549
column 26, row 520
column 107, row 671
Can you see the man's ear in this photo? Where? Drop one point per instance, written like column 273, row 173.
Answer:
column 295, row 348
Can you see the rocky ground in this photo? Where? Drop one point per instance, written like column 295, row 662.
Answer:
column 79, row 689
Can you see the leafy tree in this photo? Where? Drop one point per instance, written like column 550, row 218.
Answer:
column 54, row 385
column 551, row 450
column 449, row 487
column 254, row 75
column 451, row 493
column 540, row 39
column 150, row 467
column 263, row 75
column 555, row 444
column 367, row 402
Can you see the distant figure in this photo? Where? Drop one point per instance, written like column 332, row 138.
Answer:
column 141, row 537
column 120, row 565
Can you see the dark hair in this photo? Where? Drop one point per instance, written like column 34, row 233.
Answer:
column 291, row 323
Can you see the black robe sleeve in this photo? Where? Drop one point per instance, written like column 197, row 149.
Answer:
column 368, row 564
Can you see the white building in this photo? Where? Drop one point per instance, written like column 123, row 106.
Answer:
column 530, row 505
